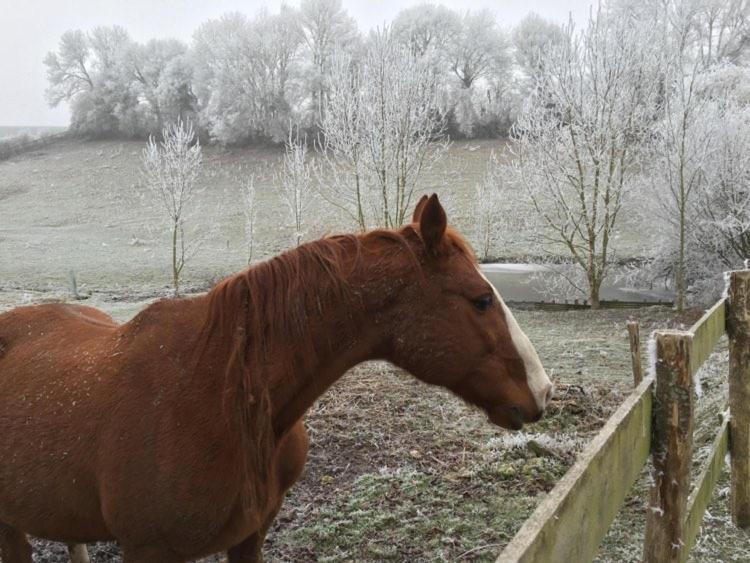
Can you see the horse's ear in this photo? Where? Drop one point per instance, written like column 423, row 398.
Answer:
column 419, row 208
column 432, row 221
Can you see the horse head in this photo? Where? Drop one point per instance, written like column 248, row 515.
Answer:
column 453, row 329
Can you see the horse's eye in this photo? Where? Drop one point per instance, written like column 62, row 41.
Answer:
column 483, row 303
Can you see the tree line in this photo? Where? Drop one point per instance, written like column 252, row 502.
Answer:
column 244, row 79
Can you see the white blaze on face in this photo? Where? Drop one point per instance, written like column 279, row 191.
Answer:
column 536, row 378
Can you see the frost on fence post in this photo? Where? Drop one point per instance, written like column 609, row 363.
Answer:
column 738, row 327
column 672, row 448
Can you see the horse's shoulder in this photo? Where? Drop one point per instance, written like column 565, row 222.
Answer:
column 161, row 315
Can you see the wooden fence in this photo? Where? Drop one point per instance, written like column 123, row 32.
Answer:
column 656, row 420
column 576, row 305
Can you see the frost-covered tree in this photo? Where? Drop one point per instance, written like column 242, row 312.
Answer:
column 578, row 138
column 488, row 197
column 388, row 117
column 294, row 181
column 324, row 25
column 402, row 129
column 69, row 69
column 681, row 143
column 532, row 37
column 721, row 213
column 171, row 167
column 722, row 29
column 478, row 57
column 479, row 49
column 717, row 213
column 161, row 78
column 87, row 72
column 250, row 213
column 242, row 74
column 427, row 29
column 341, row 148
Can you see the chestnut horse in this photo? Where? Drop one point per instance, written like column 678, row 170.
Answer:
column 178, row 432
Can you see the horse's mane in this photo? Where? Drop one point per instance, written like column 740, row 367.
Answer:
column 274, row 301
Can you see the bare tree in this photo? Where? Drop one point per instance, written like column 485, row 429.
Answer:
column 383, row 128
column 427, row 29
column 533, row 36
column 578, row 139
column 488, row 208
column 294, row 182
column 147, row 67
column 87, row 72
column 341, row 179
column 171, row 169
column 242, row 75
column 324, row 25
column 249, row 212
column 722, row 28
column 722, row 207
column 479, row 49
column 69, row 70
column 681, row 144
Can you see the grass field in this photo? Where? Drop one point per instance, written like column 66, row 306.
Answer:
column 397, row 470
column 75, row 206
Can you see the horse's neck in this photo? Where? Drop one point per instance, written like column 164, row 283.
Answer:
column 351, row 333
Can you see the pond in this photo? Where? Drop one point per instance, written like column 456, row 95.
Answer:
column 519, row 282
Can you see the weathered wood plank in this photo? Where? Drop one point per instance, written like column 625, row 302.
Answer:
column 672, row 449
column 706, row 333
column 571, row 522
column 701, row 495
column 635, row 351
column 739, row 395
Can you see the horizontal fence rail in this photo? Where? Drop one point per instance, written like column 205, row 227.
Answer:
column 706, row 333
column 571, row 522
column 701, row 495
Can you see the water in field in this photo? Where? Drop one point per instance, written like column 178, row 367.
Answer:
column 519, row 282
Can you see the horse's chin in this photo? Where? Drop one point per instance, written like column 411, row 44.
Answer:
column 505, row 417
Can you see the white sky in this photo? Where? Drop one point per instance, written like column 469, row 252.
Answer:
column 31, row 28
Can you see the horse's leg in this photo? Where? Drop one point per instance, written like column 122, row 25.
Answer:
column 78, row 553
column 14, row 546
column 251, row 550
column 290, row 462
column 150, row 554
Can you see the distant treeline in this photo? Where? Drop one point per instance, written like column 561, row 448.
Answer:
column 245, row 79
column 17, row 144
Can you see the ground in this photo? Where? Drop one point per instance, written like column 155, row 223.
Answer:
column 397, row 470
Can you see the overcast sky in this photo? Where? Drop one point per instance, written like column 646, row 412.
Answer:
column 31, row 28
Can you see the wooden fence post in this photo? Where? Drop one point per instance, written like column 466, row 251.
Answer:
column 738, row 327
column 635, row 352
column 672, row 449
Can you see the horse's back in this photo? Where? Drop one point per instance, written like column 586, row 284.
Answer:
column 50, row 412
column 48, row 326
column 24, row 320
